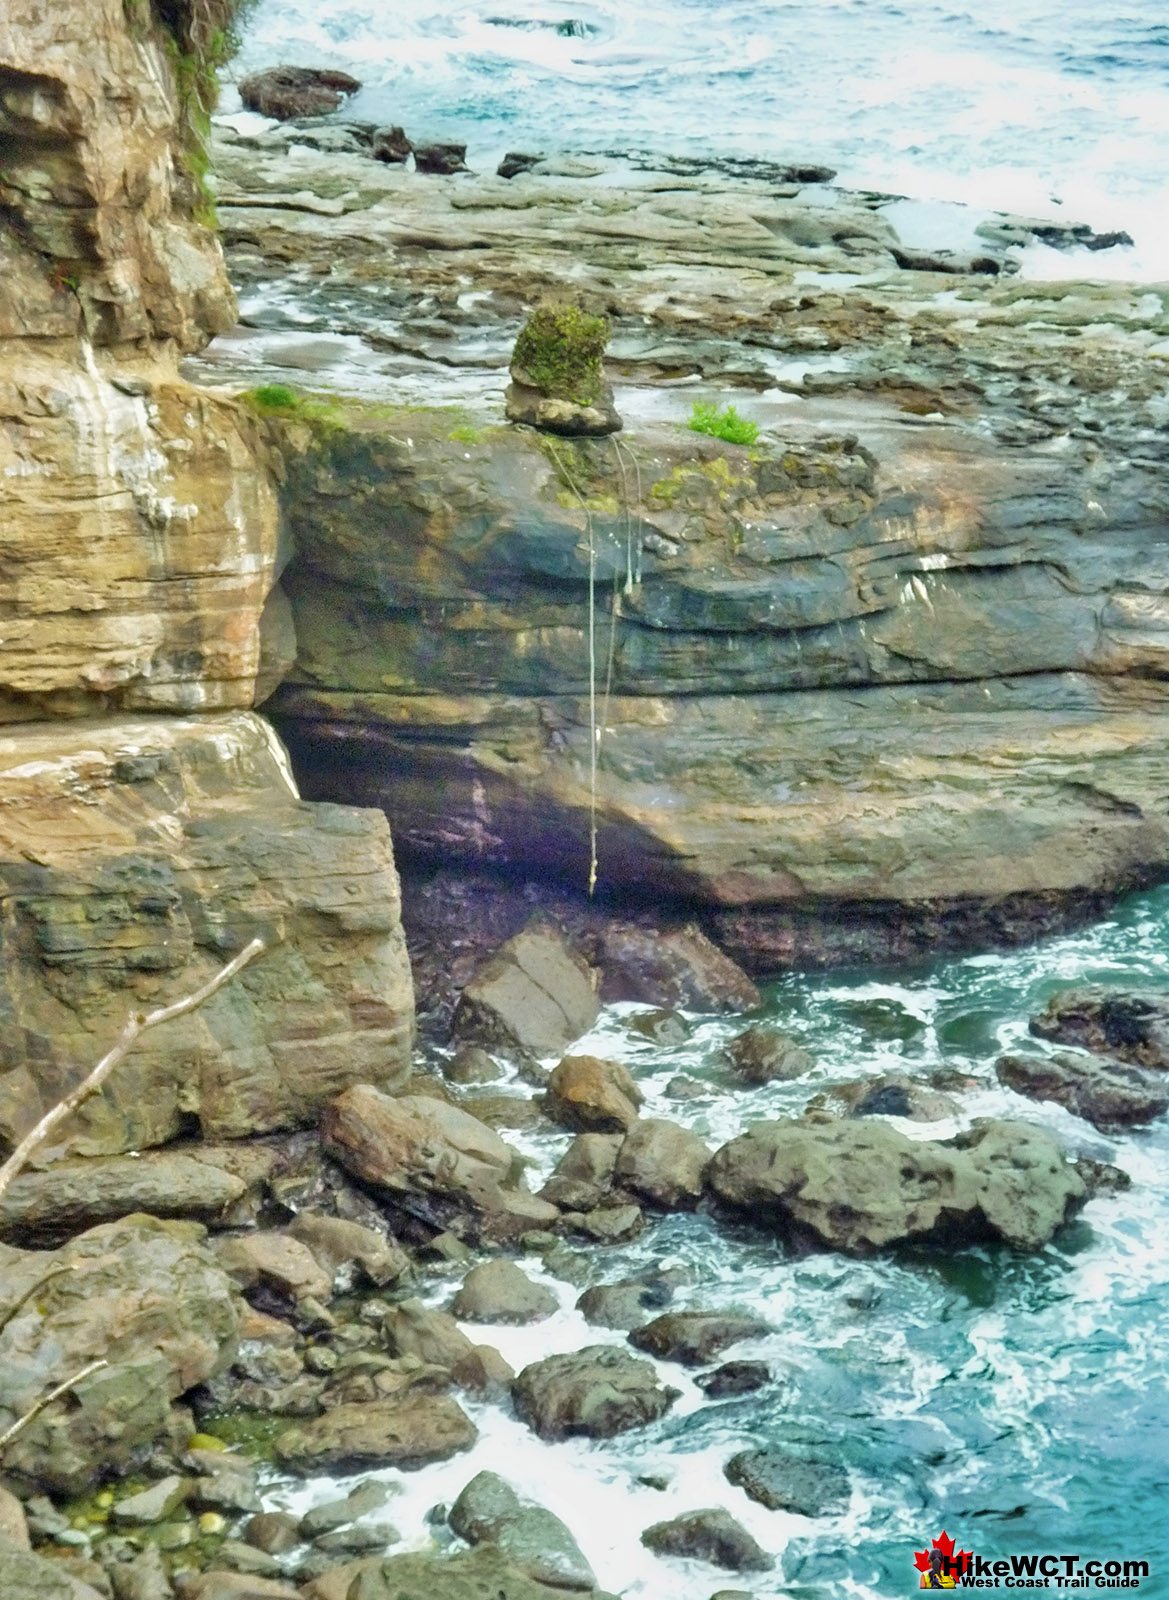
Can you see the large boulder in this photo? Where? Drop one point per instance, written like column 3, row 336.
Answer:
column 434, row 1160
column 534, row 997
column 583, row 1176
column 499, row 1291
column 1129, row 1025
column 488, row 1511
column 285, row 92
column 663, row 1164
column 411, row 1431
column 598, row 1391
column 426, row 1334
column 1110, row 1094
column 672, row 967
column 476, row 1574
column 861, row 1185
column 597, row 1096
column 136, row 857
column 143, row 1295
column 45, row 1208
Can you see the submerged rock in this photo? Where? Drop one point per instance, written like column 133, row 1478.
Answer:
column 285, row 92
column 712, row 1535
column 734, row 1378
column 411, row 1431
column 761, row 1055
column 433, row 1158
column 861, row 1185
column 598, row 1391
column 599, row 1096
column 696, row 1337
column 1127, row 1024
column 488, row 1511
column 791, row 1480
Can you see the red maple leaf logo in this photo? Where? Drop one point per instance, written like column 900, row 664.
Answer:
column 953, row 1563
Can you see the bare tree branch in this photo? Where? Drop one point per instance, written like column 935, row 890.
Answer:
column 21, row 1423
column 90, row 1085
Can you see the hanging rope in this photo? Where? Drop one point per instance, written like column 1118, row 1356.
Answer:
column 594, row 731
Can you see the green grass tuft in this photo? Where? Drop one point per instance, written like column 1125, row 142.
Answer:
column 275, row 397
column 727, row 424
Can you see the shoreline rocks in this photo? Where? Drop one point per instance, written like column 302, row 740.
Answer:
column 860, row 1186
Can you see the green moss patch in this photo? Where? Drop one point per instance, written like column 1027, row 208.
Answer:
column 559, row 352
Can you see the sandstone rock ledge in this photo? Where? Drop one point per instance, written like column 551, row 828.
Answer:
column 135, row 858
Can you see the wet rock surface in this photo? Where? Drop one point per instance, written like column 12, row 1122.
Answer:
column 710, row 1535
column 488, row 1511
column 782, row 1480
column 598, row 1391
column 860, row 1185
column 696, row 1337
column 1127, row 1024
column 1109, row 1094
column 408, row 1432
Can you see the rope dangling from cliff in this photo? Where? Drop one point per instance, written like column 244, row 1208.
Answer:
column 594, row 730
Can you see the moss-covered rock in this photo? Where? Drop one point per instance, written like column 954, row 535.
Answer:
column 559, row 384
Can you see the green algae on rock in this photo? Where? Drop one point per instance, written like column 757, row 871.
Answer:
column 558, row 383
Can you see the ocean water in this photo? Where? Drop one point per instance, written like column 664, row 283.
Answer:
column 1055, row 109
column 1017, row 1402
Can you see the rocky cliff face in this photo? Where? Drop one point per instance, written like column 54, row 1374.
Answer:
column 138, row 548
column 138, row 539
column 890, row 679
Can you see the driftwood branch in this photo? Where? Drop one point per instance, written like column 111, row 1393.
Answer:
column 90, row 1085
column 46, row 1400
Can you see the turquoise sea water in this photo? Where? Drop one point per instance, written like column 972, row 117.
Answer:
column 1019, row 1402
column 1029, row 105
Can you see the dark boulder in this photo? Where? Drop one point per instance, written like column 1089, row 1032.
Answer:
column 711, row 1535
column 696, row 1337
column 786, row 1480
column 734, row 1378
column 1111, row 1095
column 391, row 145
column 1128, row 1024
column 598, row 1391
column 286, row 92
column 765, row 1055
column 442, row 159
